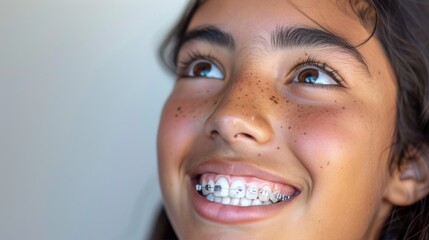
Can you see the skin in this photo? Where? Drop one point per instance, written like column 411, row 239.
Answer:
column 331, row 142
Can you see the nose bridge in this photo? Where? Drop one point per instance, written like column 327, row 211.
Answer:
column 240, row 114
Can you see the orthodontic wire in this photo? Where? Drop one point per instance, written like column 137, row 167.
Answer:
column 277, row 195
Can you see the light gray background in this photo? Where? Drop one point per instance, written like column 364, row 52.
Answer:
column 80, row 97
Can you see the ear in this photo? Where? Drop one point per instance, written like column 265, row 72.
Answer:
column 410, row 181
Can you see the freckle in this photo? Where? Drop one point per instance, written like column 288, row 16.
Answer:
column 344, row 108
column 305, row 133
column 321, row 167
column 335, row 101
column 328, row 163
column 262, row 90
column 287, row 101
column 245, row 95
column 241, row 89
column 176, row 115
column 259, row 154
column 238, row 98
column 179, row 108
column 278, row 147
column 299, row 116
column 276, row 102
column 281, row 126
column 289, row 127
column 242, row 106
column 215, row 102
column 327, row 111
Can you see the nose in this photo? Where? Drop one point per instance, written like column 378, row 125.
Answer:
column 239, row 117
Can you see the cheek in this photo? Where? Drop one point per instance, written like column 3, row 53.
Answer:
column 338, row 135
column 344, row 150
column 344, row 159
column 181, row 121
column 328, row 134
column 181, row 125
column 174, row 128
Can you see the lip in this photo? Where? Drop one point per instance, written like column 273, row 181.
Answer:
column 231, row 214
column 238, row 169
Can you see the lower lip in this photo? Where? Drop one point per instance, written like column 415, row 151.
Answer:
column 232, row 214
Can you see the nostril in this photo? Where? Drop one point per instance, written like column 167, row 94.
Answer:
column 244, row 135
column 214, row 133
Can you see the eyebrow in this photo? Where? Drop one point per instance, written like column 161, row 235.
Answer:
column 281, row 37
column 289, row 37
column 209, row 34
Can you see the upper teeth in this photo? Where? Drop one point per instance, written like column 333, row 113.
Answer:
column 238, row 194
column 238, row 189
column 252, row 191
column 264, row 194
column 221, row 187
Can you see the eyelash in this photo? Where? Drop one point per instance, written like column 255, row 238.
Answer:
column 310, row 61
column 183, row 65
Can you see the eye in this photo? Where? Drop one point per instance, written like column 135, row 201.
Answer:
column 316, row 73
column 204, row 68
column 315, row 76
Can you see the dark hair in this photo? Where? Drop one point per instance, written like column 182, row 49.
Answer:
column 401, row 30
column 402, row 27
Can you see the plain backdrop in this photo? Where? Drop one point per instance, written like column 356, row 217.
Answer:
column 81, row 92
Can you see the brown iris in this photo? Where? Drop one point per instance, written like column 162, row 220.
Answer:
column 202, row 69
column 308, row 76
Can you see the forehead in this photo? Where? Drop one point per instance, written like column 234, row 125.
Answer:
column 255, row 17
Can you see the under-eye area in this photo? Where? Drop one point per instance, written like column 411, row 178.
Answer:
column 242, row 191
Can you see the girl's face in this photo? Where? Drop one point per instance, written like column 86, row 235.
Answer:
column 267, row 102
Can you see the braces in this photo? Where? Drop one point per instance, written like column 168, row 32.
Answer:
column 217, row 188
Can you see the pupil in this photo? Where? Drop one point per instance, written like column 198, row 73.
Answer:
column 309, row 76
column 202, row 69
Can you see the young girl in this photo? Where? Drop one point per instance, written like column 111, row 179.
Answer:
column 296, row 119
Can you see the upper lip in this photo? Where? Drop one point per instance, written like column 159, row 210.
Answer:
column 238, row 169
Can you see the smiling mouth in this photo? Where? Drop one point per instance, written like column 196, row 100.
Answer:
column 243, row 191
